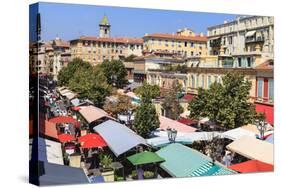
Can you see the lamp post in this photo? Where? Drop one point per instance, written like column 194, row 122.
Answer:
column 172, row 134
column 261, row 126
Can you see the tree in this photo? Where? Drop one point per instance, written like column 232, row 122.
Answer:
column 121, row 105
column 225, row 104
column 148, row 92
column 90, row 84
column 67, row 72
column 130, row 58
column 114, row 71
column 171, row 103
column 146, row 118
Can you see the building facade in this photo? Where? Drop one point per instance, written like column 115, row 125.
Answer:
column 185, row 43
column 95, row 50
column 49, row 57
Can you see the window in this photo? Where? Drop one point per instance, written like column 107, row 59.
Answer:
column 230, row 40
column 239, row 62
column 209, row 81
column 260, row 87
column 185, row 44
column 197, row 81
column 105, row 31
column 159, row 42
column 192, row 53
column 166, row 43
column 249, row 63
column 192, row 81
column 270, row 89
column 191, row 44
column 203, row 81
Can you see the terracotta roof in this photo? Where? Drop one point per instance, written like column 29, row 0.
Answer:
column 267, row 65
column 166, row 123
column 61, row 43
column 177, row 37
column 113, row 39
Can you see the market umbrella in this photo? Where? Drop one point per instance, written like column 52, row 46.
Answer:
column 76, row 108
column 145, row 157
column 63, row 119
column 93, row 144
column 65, row 138
column 91, row 136
column 252, row 166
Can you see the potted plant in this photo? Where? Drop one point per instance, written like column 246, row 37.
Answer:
column 107, row 172
column 148, row 175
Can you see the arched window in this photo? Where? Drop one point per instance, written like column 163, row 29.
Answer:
column 203, row 81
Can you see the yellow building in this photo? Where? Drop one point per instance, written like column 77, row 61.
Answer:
column 185, row 43
column 97, row 49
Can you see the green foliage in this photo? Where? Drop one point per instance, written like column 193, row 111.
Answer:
column 146, row 119
column 67, row 72
column 226, row 104
column 148, row 92
column 148, row 174
column 105, row 161
column 171, row 103
column 121, row 105
column 87, row 82
column 114, row 71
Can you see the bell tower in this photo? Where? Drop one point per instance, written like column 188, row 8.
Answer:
column 104, row 27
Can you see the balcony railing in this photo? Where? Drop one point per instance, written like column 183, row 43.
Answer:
column 254, row 39
column 265, row 100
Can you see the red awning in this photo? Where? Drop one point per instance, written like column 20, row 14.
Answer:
column 64, row 119
column 186, row 121
column 188, row 97
column 268, row 110
column 66, row 138
column 252, row 166
column 92, row 141
column 76, row 108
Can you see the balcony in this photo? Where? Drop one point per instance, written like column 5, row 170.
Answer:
column 254, row 39
column 264, row 100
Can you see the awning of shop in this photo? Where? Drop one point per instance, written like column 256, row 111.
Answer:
column 250, row 33
column 54, row 174
column 252, row 166
column 253, row 148
column 145, row 157
column 118, row 137
column 166, row 123
column 182, row 161
column 92, row 113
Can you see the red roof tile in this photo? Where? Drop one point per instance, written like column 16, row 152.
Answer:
column 177, row 37
column 114, row 40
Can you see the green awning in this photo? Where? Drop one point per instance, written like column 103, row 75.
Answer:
column 145, row 157
column 179, row 95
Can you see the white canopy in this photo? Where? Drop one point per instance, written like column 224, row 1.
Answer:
column 253, row 148
column 250, row 33
column 118, row 137
column 237, row 133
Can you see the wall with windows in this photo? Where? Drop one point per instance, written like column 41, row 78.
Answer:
column 265, row 89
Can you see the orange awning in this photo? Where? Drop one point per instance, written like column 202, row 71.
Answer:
column 252, row 166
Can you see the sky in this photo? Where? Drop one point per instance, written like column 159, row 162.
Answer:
column 70, row 21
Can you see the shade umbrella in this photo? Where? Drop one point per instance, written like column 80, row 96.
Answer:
column 145, row 157
column 65, row 138
column 93, row 144
column 91, row 136
column 252, row 166
column 63, row 119
column 76, row 108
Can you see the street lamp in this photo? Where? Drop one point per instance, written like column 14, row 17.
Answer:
column 172, row 134
column 261, row 126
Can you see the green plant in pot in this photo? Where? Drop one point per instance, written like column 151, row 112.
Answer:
column 148, row 175
column 105, row 161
